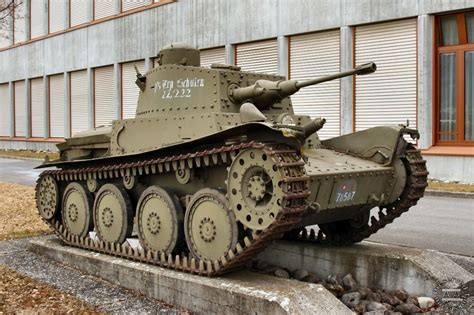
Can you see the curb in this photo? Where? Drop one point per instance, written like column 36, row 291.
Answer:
column 20, row 158
column 452, row 194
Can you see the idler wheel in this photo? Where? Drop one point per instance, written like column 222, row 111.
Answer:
column 77, row 210
column 47, row 196
column 210, row 225
column 113, row 216
column 255, row 189
column 159, row 220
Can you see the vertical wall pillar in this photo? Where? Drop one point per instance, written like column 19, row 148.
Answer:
column 425, row 80
column 67, row 18
column 27, row 19
column 90, row 96
column 230, row 54
column 149, row 63
column 67, row 105
column 118, row 6
column 347, row 83
column 28, row 107
column 118, row 90
column 283, row 57
column 90, row 11
column 46, row 107
column 46, row 17
column 11, row 106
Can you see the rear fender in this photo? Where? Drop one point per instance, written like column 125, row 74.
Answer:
column 379, row 144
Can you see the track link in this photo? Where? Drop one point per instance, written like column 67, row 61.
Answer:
column 414, row 190
column 295, row 184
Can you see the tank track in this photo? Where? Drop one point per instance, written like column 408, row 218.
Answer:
column 414, row 190
column 293, row 206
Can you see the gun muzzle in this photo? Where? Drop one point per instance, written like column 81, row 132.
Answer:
column 312, row 126
column 366, row 68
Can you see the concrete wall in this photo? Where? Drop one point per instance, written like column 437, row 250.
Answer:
column 212, row 23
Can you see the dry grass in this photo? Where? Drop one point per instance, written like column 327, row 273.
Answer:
column 20, row 294
column 30, row 154
column 450, row 186
column 18, row 214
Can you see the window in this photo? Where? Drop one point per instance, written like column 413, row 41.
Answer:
column 455, row 79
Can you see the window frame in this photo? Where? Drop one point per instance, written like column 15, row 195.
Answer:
column 459, row 51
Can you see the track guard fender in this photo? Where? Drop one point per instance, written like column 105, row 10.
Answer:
column 378, row 144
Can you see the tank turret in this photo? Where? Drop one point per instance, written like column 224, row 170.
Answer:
column 264, row 93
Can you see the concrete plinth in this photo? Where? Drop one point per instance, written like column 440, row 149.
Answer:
column 374, row 265
column 237, row 293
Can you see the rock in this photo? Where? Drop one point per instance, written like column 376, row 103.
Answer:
column 364, row 292
column 425, row 302
column 407, row 308
column 360, row 309
column 389, row 299
column 375, row 306
column 364, row 303
column 392, row 313
column 311, row 278
column 333, row 280
column 374, row 297
column 336, row 289
column 349, row 282
column 388, row 306
column 260, row 265
column 299, row 274
column 281, row 273
column 351, row 299
column 402, row 295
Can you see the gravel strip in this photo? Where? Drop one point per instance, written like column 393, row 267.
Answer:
column 109, row 298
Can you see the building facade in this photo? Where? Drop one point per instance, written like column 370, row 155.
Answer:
column 68, row 65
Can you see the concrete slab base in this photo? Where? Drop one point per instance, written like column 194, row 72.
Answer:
column 241, row 292
column 373, row 265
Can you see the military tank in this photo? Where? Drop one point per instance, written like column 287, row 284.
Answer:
column 216, row 165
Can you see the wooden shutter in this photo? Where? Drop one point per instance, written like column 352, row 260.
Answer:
column 213, row 55
column 132, row 4
column 103, row 8
column 56, row 15
column 130, row 90
column 311, row 56
column 4, row 110
column 37, row 108
column 258, row 56
column 104, row 96
column 19, row 23
column 79, row 12
column 388, row 96
column 56, row 105
column 79, row 102
column 20, row 109
column 38, row 11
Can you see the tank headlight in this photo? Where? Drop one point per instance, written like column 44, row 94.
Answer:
column 286, row 119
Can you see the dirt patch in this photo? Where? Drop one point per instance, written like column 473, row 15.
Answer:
column 18, row 214
column 20, row 294
column 30, row 154
column 450, row 186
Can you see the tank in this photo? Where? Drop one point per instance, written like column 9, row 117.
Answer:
column 216, row 165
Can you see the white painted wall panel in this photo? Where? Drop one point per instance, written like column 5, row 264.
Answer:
column 4, row 110
column 104, row 8
column 315, row 55
column 20, row 109
column 132, row 4
column 38, row 110
column 56, row 15
column 104, row 96
column 19, row 31
column 130, row 90
column 79, row 12
column 388, row 96
column 258, row 56
column 38, row 12
column 56, row 105
column 79, row 98
column 213, row 55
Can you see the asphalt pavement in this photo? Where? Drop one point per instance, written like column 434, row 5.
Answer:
column 441, row 223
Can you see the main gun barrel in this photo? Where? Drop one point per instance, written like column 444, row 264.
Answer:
column 265, row 93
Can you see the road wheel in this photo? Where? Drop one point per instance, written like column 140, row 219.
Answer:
column 77, row 210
